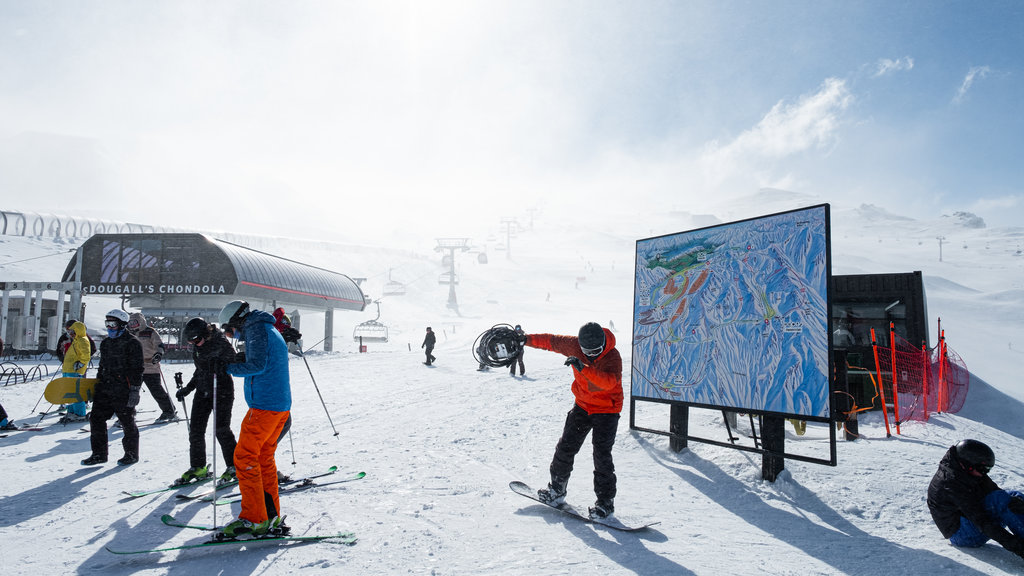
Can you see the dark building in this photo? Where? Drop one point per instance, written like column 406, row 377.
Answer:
column 175, row 276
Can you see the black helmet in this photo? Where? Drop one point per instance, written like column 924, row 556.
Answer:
column 591, row 339
column 69, row 323
column 194, row 328
column 233, row 313
column 975, row 455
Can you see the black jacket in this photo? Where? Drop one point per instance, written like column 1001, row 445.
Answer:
column 429, row 340
column 955, row 492
column 211, row 361
column 120, row 368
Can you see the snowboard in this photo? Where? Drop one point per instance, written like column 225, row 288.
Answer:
column 68, row 390
column 618, row 523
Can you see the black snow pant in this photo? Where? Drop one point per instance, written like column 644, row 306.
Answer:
column 156, row 388
column 577, row 425
column 430, row 356
column 202, row 406
column 518, row 360
column 3, row 413
column 101, row 412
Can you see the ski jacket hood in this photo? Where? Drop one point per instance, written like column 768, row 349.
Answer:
column 598, row 387
column 79, row 351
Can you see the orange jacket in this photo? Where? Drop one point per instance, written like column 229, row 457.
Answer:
column 598, row 388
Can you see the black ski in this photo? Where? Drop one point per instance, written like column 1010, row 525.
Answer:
column 347, row 538
column 292, row 486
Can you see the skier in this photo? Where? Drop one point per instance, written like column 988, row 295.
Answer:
column 118, row 383
column 428, row 342
column 597, row 386
column 211, row 353
column 968, row 507
column 152, row 352
column 74, row 363
column 284, row 325
column 6, row 424
column 518, row 360
column 268, row 394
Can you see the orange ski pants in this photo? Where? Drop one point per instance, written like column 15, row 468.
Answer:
column 254, row 463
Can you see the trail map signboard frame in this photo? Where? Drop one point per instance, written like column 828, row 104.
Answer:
column 736, row 317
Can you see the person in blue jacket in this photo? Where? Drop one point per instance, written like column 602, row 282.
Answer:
column 267, row 392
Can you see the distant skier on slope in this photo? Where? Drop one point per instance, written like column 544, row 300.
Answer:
column 597, row 385
column 428, row 344
column 968, row 507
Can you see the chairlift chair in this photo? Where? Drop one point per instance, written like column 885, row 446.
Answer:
column 371, row 330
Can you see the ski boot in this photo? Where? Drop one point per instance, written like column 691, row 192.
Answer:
column 167, row 417
column 9, row 425
column 245, row 528
column 193, row 474
column 277, row 527
column 554, row 494
column 128, row 459
column 227, row 476
column 603, row 508
column 93, row 460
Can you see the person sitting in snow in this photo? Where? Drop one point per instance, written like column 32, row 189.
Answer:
column 6, row 424
column 968, row 507
column 597, row 385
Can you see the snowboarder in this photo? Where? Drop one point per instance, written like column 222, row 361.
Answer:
column 518, row 359
column 152, row 352
column 968, row 507
column 75, row 361
column 211, row 354
column 597, row 386
column 428, row 343
column 118, row 383
column 268, row 394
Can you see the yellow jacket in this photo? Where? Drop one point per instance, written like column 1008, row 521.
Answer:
column 78, row 351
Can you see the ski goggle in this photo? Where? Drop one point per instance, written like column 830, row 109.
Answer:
column 112, row 324
column 593, row 351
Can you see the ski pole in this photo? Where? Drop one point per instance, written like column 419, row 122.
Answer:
column 167, row 390
column 318, row 391
column 177, row 384
column 292, row 442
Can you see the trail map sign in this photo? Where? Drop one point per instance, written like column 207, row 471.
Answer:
column 736, row 316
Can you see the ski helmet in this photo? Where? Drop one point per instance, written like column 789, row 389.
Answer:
column 975, row 455
column 194, row 328
column 119, row 315
column 233, row 313
column 591, row 338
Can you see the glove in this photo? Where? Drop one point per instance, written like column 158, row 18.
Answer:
column 291, row 334
column 133, row 396
column 178, row 380
column 574, row 362
column 1016, row 506
column 79, row 366
column 180, row 394
column 157, row 357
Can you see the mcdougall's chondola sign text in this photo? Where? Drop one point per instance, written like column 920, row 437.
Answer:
column 155, row 289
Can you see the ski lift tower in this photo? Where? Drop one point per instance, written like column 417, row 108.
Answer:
column 451, row 245
column 509, row 223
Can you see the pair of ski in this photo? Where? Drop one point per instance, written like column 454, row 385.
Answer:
column 285, row 487
column 347, row 538
column 25, row 429
column 307, row 481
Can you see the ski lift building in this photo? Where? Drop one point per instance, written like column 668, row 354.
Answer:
column 187, row 275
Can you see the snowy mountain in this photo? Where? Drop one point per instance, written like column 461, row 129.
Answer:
column 440, row 445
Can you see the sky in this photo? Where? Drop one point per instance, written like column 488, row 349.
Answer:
column 363, row 120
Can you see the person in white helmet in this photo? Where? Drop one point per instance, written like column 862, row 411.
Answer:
column 118, row 382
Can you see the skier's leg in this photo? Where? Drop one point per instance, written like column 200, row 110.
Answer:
column 156, row 388
column 577, row 426
column 225, row 437
column 997, row 504
column 98, row 428
column 201, row 408
column 605, row 428
column 968, row 536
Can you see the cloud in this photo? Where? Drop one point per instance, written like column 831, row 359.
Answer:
column 785, row 131
column 976, row 72
column 886, row 66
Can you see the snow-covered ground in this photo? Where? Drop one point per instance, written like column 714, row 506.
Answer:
column 440, row 445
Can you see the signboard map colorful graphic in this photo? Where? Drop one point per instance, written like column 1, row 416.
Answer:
column 736, row 315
